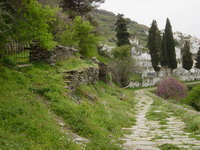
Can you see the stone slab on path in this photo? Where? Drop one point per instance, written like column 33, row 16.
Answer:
column 147, row 135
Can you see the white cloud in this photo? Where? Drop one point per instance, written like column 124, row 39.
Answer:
column 183, row 14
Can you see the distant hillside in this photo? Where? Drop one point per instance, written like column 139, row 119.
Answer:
column 106, row 27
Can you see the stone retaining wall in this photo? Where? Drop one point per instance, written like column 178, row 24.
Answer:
column 43, row 55
column 147, row 82
column 75, row 78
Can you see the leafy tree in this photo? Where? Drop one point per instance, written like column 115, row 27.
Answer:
column 121, row 29
column 197, row 64
column 29, row 21
column 80, row 34
column 6, row 17
column 187, row 56
column 154, row 45
column 34, row 24
column 122, row 67
column 163, row 53
column 122, row 52
column 80, row 7
column 170, row 46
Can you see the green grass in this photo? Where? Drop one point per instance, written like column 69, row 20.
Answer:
column 74, row 63
column 170, row 147
column 158, row 116
column 25, row 121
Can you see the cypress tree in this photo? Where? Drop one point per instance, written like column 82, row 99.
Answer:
column 187, row 57
column 163, row 53
column 121, row 29
column 197, row 64
column 154, row 45
column 170, row 46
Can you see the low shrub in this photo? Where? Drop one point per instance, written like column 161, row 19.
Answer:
column 171, row 88
column 10, row 62
column 122, row 52
column 193, row 98
column 122, row 67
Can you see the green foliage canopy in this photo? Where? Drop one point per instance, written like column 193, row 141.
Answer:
column 80, row 34
column 193, row 98
column 34, row 24
column 122, row 52
column 122, row 67
column 28, row 21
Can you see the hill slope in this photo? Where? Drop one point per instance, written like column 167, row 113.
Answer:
column 106, row 21
column 32, row 97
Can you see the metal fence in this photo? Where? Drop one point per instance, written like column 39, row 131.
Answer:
column 16, row 49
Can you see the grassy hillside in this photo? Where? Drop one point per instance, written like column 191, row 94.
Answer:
column 106, row 27
column 31, row 95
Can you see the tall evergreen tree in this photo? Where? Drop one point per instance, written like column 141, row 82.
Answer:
column 187, row 56
column 154, row 45
column 80, row 7
column 163, row 53
column 122, row 31
column 170, row 46
column 197, row 64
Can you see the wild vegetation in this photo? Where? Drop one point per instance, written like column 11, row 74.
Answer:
column 123, row 66
column 29, row 94
column 38, row 110
column 193, row 98
column 170, row 88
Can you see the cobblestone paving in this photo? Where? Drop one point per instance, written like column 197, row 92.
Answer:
column 148, row 135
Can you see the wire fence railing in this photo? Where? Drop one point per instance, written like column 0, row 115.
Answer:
column 16, row 49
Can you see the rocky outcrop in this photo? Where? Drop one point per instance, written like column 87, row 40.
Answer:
column 146, row 82
column 104, row 73
column 90, row 75
column 75, row 78
column 42, row 55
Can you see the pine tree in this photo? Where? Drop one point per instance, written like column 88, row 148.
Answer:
column 187, row 56
column 154, row 45
column 197, row 64
column 79, row 7
column 163, row 53
column 121, row 29
column 170, row 46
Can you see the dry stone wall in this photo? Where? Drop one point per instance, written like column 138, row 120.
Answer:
column 75, row 78
column 42, row 55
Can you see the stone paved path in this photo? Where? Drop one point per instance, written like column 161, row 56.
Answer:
column 148, row 135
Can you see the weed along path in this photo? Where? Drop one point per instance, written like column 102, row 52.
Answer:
column 156, row 128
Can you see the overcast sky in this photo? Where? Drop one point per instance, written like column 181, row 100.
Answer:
column 183, row 14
